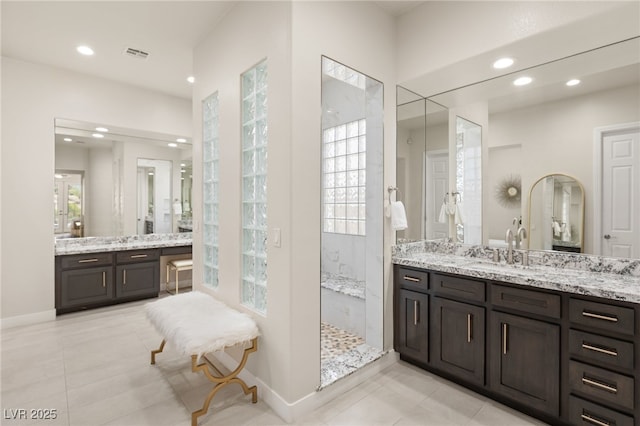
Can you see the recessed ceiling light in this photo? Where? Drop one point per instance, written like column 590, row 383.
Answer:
column 182, row 164
column 102, row 129
column 523, row 81
column 191, row 79
column 58, row 176
column 68, row 139
column 150, row 173
column 182, row 171
column 85, row 50
column 172, row 145
column 503, row 63
column 573, row 82
column 98, row 135
column 181, row 140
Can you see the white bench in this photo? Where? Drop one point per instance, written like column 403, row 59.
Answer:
column 196, row 324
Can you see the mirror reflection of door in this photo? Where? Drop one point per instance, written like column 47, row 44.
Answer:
column 154, row 210
column 67, row 204
column 620, row 201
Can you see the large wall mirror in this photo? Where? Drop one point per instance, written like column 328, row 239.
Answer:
column 112, row 181
column 545, row 127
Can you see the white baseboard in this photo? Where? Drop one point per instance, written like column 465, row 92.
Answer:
column 28, row 319
column 291, row 412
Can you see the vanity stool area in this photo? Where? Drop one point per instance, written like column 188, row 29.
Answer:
column 523, row 337
column 90, row 273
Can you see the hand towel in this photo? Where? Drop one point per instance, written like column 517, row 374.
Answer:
column 398, row 216
column 556, row 229
column 443, row 213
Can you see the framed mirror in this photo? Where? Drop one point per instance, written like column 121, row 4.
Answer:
column 114, row 181
column 556, row 214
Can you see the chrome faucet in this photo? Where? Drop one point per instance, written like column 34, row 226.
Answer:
column 521, row 235
column 509, row 239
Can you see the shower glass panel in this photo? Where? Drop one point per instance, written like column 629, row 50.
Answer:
column 352, row 215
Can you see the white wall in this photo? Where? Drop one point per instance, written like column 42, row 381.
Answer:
column 32, row 97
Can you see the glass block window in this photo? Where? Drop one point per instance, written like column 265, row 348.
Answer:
column 343, row 73
column 344, row 178
column 210, row 170
column 254, row 188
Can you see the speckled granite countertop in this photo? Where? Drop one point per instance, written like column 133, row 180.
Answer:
column 131, row 242
column 616, row 279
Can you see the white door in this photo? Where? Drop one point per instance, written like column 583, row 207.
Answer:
column 437, row 182
column 621, row 195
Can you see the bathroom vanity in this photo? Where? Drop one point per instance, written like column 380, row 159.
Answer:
column 93, row 272
column 560, row 342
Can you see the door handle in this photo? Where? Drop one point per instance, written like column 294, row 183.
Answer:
column 607, row 236
column 505, row 331
column 416, row 306
column 124, row 277
column 469, row 319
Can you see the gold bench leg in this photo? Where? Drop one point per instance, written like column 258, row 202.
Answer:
column 157, row 351
column 222, row 381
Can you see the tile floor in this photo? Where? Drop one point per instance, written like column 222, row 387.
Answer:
column 93, row 369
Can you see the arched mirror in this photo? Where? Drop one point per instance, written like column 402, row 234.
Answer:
column 556, row 214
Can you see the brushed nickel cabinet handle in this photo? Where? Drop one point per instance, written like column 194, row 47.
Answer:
column 87, row 260
column 124, row 277
column 415, row 312
column 599, row 316
column 505, row 331
column 594, row 348
column 412, row 279
column 138, row 256
column 589, row 419
column 469, row 319
column 597, row 384
column 104, row 279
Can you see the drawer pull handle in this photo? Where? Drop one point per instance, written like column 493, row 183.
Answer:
column 88, row 260
column 138, row 256
column 416, row 305
column 505, row 331
column 104, row 279
column 469, row 319
column 599, row 316
column 597, row 384
column 412, row 279
column 599, row 349
column 589, row 419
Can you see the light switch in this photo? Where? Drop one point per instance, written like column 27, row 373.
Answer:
column 277, row 241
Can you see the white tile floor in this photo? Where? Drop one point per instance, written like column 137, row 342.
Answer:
column 93, row 369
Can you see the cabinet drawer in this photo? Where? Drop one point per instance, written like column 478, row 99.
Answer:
column 130, row 256
column 88, row 260
column 601, row 384
column 413, row 279
column 602, row 315
column 600, row 349
column 535, row 302
column 583, row 412
column 461, row 288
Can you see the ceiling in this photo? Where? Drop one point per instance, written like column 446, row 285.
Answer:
column 48, row 32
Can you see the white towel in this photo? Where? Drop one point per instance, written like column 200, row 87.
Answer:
column 556, row 229
column 443, row 213
column 398, row 216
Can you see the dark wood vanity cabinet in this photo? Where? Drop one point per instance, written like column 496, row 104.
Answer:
column 137, row 273
column 564, row 358
column 97, row 279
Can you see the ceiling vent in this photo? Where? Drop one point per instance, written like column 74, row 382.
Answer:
column 135, row 53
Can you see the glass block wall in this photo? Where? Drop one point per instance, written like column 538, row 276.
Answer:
column 210, row 169
column 254, row 188
column 344, row 178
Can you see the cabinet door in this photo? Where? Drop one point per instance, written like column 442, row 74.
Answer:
column 138, row 279
column 86, row 286
column 413, row 319
column 525, row 361
column 457, row 339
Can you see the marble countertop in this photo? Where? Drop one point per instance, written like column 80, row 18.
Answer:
column 132, row 242
column 624, row 286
